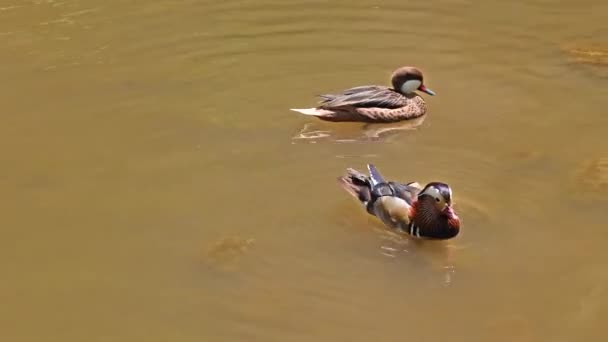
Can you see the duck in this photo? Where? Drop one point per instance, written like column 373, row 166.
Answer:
column 424, row 213
column 374, row 103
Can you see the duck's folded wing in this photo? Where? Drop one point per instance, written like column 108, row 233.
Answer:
column 364, row 97
column 407, row 192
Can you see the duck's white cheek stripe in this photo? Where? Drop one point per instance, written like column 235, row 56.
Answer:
column 410, row 86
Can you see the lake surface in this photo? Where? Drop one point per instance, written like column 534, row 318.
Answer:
column 156, row 186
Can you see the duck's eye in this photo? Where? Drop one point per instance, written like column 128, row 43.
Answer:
column 437, row 199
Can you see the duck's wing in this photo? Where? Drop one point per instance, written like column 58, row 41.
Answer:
column 408, row 192
column 374, row 175
column 364, row 97
column 394, row 209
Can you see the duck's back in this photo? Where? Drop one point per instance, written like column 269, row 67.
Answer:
column 369, row 96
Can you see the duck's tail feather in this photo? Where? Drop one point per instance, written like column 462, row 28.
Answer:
column 313, row 111
column 374, row 175
column 357, row 184
column 305, row 111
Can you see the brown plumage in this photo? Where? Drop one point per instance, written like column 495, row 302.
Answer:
column 421, row 212
column 373, row 103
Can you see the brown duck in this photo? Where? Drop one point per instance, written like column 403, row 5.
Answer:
column 372, row 103
column 424, row 213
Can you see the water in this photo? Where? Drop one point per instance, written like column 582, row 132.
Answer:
column 156, row 187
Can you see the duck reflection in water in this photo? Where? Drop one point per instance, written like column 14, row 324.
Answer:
column 355, row 132
column 436, row 259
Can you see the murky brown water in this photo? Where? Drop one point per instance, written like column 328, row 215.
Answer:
column 157, row 188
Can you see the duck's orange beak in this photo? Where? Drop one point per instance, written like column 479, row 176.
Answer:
column 426, row 90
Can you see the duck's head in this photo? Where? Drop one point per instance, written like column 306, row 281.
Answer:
column 436, row 205
column 440, row 194
column 407, row 79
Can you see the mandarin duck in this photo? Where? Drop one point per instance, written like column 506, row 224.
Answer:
column 373, row 103
column 422, row 212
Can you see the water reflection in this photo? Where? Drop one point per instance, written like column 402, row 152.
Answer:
column 355, row 132
column 436, row 258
